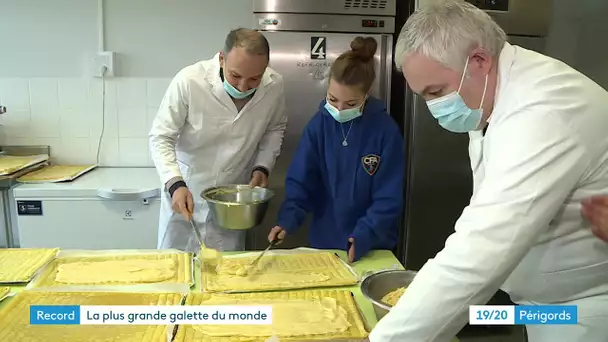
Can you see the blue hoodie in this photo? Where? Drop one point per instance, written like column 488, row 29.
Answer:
column 352, row 191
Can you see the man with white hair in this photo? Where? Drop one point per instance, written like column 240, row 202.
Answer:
column 538, row 148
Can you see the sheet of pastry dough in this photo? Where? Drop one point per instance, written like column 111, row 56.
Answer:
column 122, row 271
column 55, row 173
column 291, row 318
column 12, row 164
column 297, row 315
column 15, row 317
column 278, row 272
column 182, row 270
column 20, row 264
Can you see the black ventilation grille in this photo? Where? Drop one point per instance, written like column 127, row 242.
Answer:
column 348, row 4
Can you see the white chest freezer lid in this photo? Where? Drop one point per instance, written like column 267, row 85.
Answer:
column 106, row 182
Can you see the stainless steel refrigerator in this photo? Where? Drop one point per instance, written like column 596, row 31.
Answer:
column 305, row 37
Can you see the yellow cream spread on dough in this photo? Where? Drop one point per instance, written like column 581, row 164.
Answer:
column 392, row 297
column 235, row 270
column 298, row 317
column 116, row 271
column 235, row 275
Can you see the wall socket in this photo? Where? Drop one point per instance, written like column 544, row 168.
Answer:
column 101, row 59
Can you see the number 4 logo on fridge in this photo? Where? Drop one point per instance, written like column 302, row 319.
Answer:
column 318, row 47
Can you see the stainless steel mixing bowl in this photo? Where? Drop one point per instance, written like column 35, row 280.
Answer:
column 237, row 206
column 379, row 284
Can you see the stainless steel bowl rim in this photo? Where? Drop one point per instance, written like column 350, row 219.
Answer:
column 368, row 279
column 235, row 186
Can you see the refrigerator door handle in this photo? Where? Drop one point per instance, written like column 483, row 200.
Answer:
column 128, row 194
column 386, row 65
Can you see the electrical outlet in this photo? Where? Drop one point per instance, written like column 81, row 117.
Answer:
column 103, row 60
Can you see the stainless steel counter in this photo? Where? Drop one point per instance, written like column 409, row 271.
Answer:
column 8, row 236
column 7, row 182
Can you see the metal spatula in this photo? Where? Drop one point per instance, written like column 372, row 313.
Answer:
column 272, row 243
column 197, row 233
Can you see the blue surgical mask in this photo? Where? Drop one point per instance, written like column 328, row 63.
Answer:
column 235, row 93
column 344, row 115
column 452, row 112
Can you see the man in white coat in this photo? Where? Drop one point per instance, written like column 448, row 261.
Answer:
column 221, row 121
column 538, row 148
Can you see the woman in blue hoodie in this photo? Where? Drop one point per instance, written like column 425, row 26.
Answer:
column 348, row 170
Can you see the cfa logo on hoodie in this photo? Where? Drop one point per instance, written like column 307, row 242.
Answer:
column 370, row 163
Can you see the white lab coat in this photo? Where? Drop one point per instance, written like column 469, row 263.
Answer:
column 199, row 135
column 545, row 150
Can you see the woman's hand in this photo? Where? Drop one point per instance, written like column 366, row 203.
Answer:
column 351, row 250
column 276, row 232
column 595, row 209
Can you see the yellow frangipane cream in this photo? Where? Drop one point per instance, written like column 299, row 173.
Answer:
column 15, row 317
column 210, row 256
column 20, row 264
column 277, row 272
column 296, row 315
column 234, row 273
column 122, row 271
column 392, row 297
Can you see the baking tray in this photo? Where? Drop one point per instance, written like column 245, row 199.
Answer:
column 207, row 272
column 14, row 318
column 359, row 331
column 5, row 292
column 35, row 284
column 24, row 178
column 37, row 271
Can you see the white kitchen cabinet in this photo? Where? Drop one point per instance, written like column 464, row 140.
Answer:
column 108, row 208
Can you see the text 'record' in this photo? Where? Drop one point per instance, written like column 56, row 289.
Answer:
column 149, row 315
column 522, row 314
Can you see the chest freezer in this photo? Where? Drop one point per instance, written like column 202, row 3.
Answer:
column 107, row 208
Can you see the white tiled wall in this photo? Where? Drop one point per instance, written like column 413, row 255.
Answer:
column 66, row 113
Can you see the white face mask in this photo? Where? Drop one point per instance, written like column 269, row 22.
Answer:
column 235, row 93
column 452, row 112
column 344, row 115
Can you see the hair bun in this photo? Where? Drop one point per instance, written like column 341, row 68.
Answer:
column 364, row 48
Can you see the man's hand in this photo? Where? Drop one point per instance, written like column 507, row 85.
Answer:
column 182, row 202
column 595, row 209
column 276, row 232
column 351, row 250
column 258, row 178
